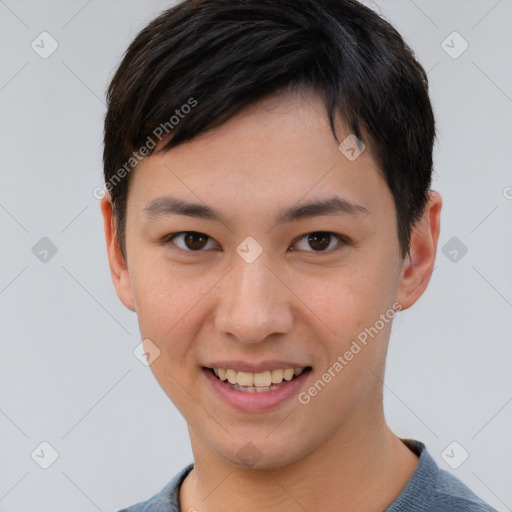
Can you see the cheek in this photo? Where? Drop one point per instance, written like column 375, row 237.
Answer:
column 171, row 306
column 346, row 300
column 161, row 294
column 167, row 311
column 351, row 305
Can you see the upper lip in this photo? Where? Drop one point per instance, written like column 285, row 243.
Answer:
column 243, row 366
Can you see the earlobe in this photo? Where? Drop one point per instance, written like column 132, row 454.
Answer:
column 117, row 262
column 419, row 263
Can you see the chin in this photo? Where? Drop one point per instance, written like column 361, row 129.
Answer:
column 262, row 454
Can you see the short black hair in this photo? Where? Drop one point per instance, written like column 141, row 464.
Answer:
column 215, row 57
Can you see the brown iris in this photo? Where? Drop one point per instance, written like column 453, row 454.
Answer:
column 195, row 241
column 319, row 240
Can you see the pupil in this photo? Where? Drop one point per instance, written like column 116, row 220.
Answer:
column 323, row 237
column 191, row 240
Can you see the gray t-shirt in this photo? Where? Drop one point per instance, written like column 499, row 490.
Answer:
column 430, row 489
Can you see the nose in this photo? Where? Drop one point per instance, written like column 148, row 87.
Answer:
column 253, row 303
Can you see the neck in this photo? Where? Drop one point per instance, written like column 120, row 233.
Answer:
column 356, row 470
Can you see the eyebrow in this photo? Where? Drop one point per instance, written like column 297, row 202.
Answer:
column 164, row 206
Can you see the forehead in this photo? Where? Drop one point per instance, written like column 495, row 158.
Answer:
column 278, row 150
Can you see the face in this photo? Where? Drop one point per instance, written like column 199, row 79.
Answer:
column 252, row 282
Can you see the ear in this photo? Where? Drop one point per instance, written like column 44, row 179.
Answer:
column 116, row 260
column 418, row 265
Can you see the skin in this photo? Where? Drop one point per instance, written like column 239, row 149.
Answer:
column 293, row 302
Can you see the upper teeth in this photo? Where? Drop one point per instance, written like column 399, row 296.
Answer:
column 263, row 379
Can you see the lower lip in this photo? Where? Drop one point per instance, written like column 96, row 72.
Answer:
column 256, row 402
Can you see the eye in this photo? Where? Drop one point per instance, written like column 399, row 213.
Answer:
column 191, row 241
column 320, row 240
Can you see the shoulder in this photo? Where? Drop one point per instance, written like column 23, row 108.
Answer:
column 431, row 488
column 166, row 500
column 452, row 494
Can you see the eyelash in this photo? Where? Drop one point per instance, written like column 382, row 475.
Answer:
column 343, row 240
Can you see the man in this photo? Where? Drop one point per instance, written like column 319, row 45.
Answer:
column 268, row 168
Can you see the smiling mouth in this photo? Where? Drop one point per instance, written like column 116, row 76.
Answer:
column 257, row 382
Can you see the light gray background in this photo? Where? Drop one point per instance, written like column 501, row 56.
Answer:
column 68, row 374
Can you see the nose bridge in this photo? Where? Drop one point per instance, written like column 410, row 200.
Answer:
column 252, row 302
